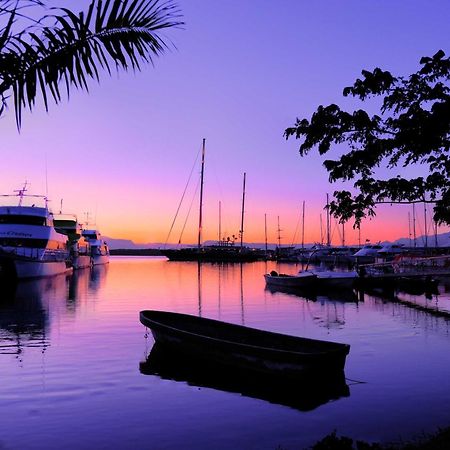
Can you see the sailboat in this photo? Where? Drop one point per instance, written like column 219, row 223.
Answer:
column 223, row 251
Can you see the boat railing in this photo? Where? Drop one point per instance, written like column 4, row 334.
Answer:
column 409, row 264
column 24, row 252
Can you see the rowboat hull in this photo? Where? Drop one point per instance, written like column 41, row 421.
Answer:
column 243, row 347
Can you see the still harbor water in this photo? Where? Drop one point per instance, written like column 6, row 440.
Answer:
column 72, row 348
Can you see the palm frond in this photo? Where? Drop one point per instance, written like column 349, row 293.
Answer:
column 120, row 33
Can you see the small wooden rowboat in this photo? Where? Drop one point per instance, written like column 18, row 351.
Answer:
column 244, row 348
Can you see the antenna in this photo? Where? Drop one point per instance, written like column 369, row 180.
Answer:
column 46, row 177
column 21, row 192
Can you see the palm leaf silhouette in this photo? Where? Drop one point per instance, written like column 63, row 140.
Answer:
column 113, row 33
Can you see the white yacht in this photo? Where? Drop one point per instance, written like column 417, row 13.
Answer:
column 30, row 247
column 368, row 250
column 78, row 245
column 99, row 248
column 378, row 251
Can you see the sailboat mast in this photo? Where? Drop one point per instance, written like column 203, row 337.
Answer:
column 242, row 212
column 265, row 231
column 435, row 234
column 279, row 232
column 200, row 217
column 220, row 222
column 425, row 223
column 328, row 222
column 414, row 225
column 321, row 229
column 303, row 225
column 409, row 227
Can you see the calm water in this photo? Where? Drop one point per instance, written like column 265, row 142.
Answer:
column 71, row 348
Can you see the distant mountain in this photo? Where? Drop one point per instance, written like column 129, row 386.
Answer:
column 443, row 240
column 114, row 244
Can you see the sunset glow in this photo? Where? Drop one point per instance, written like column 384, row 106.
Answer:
column 239, row 75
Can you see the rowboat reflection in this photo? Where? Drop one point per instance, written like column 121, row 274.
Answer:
column 304, row 393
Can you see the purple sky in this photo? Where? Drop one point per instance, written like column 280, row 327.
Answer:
column 242, row 71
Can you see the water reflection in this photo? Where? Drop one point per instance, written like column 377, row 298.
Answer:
column 302, row 394
column 27, row 307
column 340, row 295
column 97, row 276
column 417, row 297
column 24, row 315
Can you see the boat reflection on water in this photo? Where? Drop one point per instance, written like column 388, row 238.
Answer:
column 340, row 295
column 304, row 394
column 24, row 313
column 27, row 306
column 97, row 276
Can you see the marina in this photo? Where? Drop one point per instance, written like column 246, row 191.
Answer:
column 254, row 250
column 59, row 374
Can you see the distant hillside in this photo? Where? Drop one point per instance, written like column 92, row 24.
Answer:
column 443, row 240
column 116, row 244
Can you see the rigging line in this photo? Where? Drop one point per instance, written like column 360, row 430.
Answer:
column 226, row 225
column 189, row 211
column 336, row 226
column 182, row 197
column 353, row 382
column 296, row 228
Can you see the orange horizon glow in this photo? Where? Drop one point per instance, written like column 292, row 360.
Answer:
column 390, row 224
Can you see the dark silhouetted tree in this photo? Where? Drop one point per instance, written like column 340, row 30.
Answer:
column 411, row 129
column 47, row 51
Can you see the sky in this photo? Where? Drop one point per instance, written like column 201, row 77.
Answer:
column 238, row 74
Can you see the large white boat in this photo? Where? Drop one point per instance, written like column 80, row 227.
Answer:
column 78, row 245
column 99, row 247
column 30, row 247
column 372, row 252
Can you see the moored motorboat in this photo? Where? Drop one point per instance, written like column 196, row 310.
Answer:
column 335, row 279
column 30, row 247
column 79, row 251
column 99, row 247
column 244, row 347
column 303, row 279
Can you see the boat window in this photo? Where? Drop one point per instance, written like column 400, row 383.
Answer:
column 19, row 219
column 19, row 242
